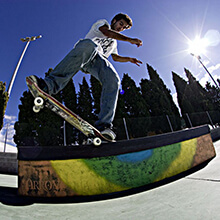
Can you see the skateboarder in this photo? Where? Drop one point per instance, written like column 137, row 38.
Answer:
column 90, row 55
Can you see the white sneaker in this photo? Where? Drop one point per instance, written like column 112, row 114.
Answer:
column 108, row 133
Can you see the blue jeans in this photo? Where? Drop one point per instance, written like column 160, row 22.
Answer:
column 85, row 57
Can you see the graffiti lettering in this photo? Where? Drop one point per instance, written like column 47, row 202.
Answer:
column 46, row 185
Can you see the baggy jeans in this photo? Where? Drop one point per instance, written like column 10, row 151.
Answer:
column 84, row 57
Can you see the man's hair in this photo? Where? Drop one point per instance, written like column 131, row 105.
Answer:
column 125, row 17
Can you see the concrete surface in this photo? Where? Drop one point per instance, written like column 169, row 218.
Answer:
column 196, row 196
column 8, row 159
column 8, row 163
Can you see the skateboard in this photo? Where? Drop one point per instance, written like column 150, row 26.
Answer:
column 43, row 99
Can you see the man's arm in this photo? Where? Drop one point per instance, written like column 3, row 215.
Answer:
column 116, row 35
column 118, row 58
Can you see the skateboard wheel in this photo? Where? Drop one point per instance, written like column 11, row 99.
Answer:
column 36, row 109
column 89, row 141
column 97, row 141
column 38, row 101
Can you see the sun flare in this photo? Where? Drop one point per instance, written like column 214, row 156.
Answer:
column 198, row 46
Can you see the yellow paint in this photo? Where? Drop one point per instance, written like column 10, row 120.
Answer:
column 76, row 175
column 183, row 162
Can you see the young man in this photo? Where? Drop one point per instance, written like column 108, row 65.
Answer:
column 90, row 55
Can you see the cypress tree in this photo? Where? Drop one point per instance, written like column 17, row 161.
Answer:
column 96, row 89
column 214, row 94
column 134, row 104
column 193, row 99
column 25, row 127
column 182, row 90
column 3, row 102
column 69, row 98
column 85, row 108
column 161, row 103
column 199, row 99
column 134, row 110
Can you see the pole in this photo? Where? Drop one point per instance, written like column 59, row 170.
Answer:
column 28, row 40
column 210, row 119
column 208, row 73
column 199, row 59
column 189, row 120
column 6, row 135
column 126, row 130
column 168, row 119
column 16, row 69
column 64, row 133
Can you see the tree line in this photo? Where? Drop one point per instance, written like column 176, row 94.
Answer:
column 144, row 107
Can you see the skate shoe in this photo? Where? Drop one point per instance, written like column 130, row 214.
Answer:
column 106, row 131
column 40, row 82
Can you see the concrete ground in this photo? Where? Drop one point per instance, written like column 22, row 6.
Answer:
column 196, row 196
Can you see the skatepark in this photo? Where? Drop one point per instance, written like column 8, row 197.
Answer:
column 195, row 196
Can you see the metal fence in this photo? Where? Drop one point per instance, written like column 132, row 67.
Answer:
column 128, row 128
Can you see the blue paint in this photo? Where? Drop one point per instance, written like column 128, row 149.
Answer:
column 135, row 157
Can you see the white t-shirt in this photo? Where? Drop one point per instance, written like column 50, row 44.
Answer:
column 106, row 46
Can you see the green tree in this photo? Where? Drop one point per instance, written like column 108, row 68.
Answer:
column 96, row 89
column 164, row 101
column 85, row 108
column 182, row 91
column 200, row 100
column 213, row 94
column 3, row 102
column 69, row 99
column 25, row 127
column 133, row 108
column 160, row 102
column 43, row 128
column 134, row 104
column 193, row 99
column 49, row 131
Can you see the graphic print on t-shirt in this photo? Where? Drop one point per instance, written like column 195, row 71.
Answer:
column 104, row 43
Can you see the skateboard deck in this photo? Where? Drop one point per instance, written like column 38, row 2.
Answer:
column 43, row 99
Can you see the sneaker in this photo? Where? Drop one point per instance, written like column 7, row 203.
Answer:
column 40, row 82
column 106, row 131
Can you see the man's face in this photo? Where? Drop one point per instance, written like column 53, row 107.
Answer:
column 119, row 25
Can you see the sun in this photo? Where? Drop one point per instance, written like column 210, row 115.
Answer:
column 198, row 46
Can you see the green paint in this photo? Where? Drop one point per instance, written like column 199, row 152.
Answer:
column 136, row 174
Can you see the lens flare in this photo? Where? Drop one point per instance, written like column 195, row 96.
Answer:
column 213, row 37
column 198, row 46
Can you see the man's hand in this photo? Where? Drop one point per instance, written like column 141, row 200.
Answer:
column 136, row 41
column 135, row 61
column 118, row 58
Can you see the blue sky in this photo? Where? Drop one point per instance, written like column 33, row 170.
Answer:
column 164, row 26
